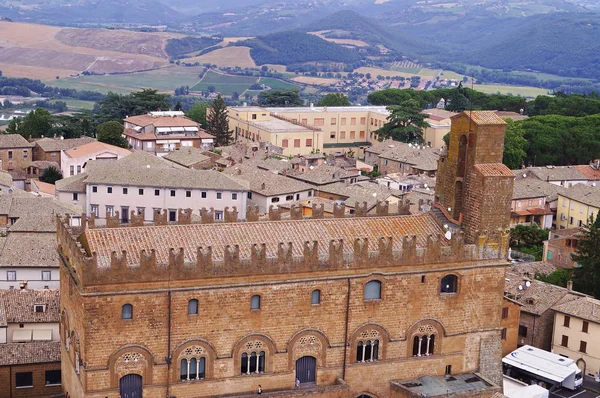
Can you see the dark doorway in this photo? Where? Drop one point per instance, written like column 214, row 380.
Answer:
column 306, row 369
column 131, row 386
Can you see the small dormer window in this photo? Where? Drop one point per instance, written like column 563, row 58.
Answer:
column 39, row 308
column 530, row 301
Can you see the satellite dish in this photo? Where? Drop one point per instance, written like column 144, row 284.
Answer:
column 520, row 287
column 147, row 166
column 449, row 209
column 524, row 175
column 374, row 194
column 448, row 235
column 10, row 190
column 425, row 185
column 527, row 284
column 410, row 145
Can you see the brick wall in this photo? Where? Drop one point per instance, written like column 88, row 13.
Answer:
column 8, row 387
column 40, row 154
column 539, row 329
column 16, row 161
column 225, row 324
column 511, row 324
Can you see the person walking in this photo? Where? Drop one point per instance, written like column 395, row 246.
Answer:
column 297, row 383
column 259, row 391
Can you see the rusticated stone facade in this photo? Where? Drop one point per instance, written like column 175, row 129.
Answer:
column 216, row 309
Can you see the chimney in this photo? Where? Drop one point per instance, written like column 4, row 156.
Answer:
column 570, row 286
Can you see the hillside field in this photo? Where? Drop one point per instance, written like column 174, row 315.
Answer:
column 228, row 56
column 225, row 84
column 44, row 52
column 528, row 92
column 165, row 79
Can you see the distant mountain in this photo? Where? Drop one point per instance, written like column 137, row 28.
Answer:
column 86, row 12
column 291, row 47
column 368, row 30
column 565, row 44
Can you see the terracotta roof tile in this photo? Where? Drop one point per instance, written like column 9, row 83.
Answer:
column 58, row 144
column 104, row 241
column 14, row 141
column 19, row 305
column 589, row 172
column 484, row 117
column 28, row 353
column 586, row 308
column 91, row 147
column 494, row 170
column 162, row 121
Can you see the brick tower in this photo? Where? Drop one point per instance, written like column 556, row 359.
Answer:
column 473, row 185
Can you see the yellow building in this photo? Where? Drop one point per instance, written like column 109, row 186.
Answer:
column 301, row 130
column 439, row 126
column 577, row 205
column 577, row 333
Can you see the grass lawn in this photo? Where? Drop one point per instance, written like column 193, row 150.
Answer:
column 164, row 79
column 276, row 84
column 225, row 84
column 529, row 92
column 414, row 71
column 76, row 105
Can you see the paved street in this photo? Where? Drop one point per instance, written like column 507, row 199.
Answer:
column 581, row 393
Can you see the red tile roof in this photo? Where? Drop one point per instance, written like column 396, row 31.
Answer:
column 589, row 172
column 494, row 170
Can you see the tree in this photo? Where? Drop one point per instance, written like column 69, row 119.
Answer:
column 111, row 133
column 514, row 145
column 118, row 107
column 334, row 99
column 558, row 277
column 198, row 113
column 51, row 175
column 586, row 278
column 36, row 124
column 280, row 98
column 218, row 122
column 529, row 239
column 405, row 123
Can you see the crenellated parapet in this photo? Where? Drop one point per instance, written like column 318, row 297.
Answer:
column 207, row 216
column 155, row 265
column 231, row 215
column 382, row 208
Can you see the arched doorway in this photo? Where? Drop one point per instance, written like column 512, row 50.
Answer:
column 581, row 365
column 306, row 369
column 130, row 386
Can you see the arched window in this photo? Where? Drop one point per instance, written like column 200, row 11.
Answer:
column 127, row 311
column 253, row 362
column 373, row 290
column 193, row 365
column 449, row 284
column 423, row 345
column 255, row 302
column 316, row 297
column 193, row 307
column 367, row 346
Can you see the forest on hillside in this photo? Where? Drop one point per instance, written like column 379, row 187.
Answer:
column 291, row 47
